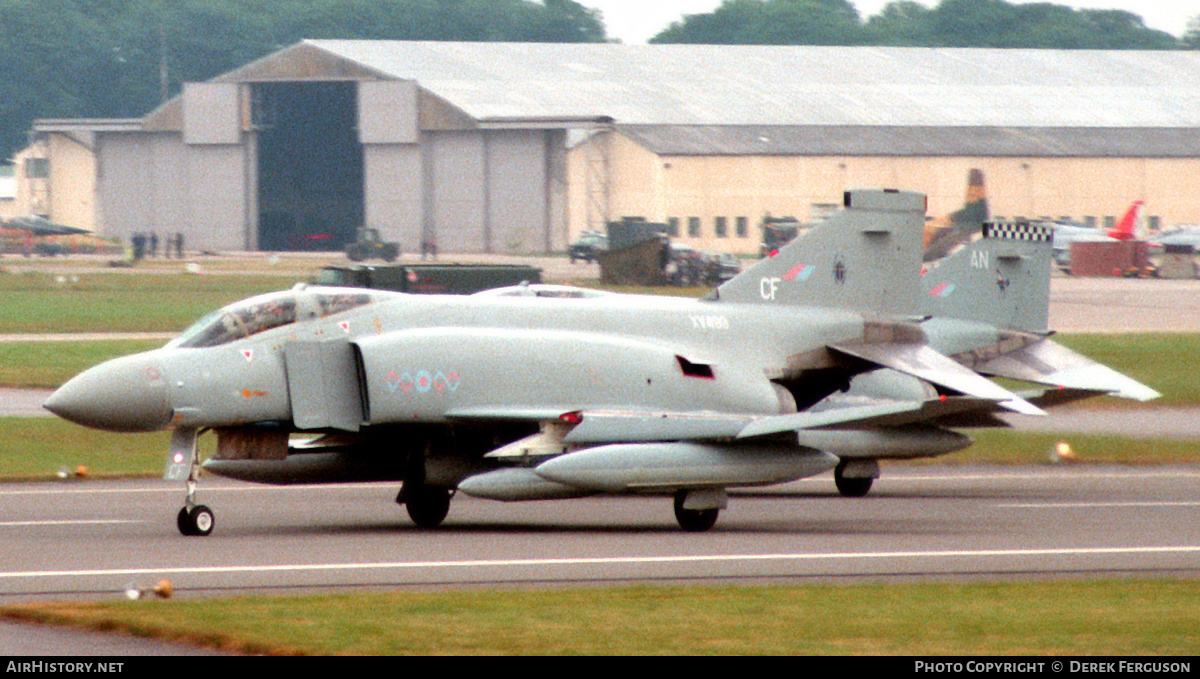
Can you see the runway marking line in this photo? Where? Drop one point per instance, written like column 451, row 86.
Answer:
column 1099, row 505
column 616, row 560
column 66, row 522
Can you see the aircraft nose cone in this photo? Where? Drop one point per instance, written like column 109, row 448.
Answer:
column 124, row 394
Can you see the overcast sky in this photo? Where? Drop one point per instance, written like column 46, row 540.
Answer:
column 635, row 21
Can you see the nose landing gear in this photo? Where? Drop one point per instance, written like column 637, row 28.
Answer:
column 183, row 464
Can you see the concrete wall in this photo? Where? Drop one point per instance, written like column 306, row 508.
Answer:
column 493, row 190
column 393, row 184
column 156, row 183
column 660, row 188
column 67, row 194
column 8, row 196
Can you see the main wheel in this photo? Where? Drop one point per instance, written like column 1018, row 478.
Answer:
column 851, row 487
column 198, row 521
column 694, row 520
column 427, row 506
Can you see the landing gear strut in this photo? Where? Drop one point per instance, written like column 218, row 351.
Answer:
column 183, row 463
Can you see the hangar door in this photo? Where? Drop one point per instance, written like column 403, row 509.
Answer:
column 310, row 165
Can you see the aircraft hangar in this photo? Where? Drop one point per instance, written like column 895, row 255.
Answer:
column 516, row 148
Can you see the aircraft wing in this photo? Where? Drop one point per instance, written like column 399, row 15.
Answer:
column 1048, row 362
column 602, row 426
column 40, row 226
column 1180, row 237
column 922, row 361
column 873, row 413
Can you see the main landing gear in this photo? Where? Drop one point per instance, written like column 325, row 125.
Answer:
column 697, row 510
column 854, row 478
column 427, row 505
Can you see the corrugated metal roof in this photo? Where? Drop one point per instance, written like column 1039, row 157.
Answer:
column 819, row 140
column 789, row 85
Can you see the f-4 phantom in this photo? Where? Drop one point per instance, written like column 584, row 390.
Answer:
column 838, row 352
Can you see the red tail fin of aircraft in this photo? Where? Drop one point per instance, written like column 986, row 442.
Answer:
column 1126, row 228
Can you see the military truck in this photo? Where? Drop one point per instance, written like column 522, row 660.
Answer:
column 368, row 244
column 776, row 233
column 432, row 279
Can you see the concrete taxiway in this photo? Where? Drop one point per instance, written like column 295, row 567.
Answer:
column 97, row 539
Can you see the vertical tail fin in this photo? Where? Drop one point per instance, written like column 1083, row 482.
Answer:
column 863, row 258
column 946, row 233
column 1126, row 229
column 1002, row 279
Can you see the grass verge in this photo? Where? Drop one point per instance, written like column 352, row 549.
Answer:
column 1136, row 617
column 40, row 302
column 1158, row 360
column 48, row 364
column 999, row 446
column 41, row 447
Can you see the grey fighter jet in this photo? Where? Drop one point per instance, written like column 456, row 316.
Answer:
column 835, row 353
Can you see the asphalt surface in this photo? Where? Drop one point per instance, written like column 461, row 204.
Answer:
column 95, row 540
column 98, row 539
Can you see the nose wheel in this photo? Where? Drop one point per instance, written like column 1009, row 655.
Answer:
column 197, row 521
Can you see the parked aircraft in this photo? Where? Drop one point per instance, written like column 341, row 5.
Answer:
column 35, row 225
column 1065, row 234
column 30, row 234
column 1127, row 227
column 832, row 355
column 1184, row 235
column 943, row 234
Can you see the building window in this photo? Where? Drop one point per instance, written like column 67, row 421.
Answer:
column 1090, row 221
column 694, row 227
column 1109, row 221
column 37, row 168
column 720, row 227
column 1154, row 223
column 673, row 226
column 743, row 227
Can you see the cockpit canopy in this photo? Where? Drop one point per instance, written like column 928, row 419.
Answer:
column 272, row 310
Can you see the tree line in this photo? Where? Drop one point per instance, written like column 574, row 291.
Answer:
column 121, row 58
column 951, row 23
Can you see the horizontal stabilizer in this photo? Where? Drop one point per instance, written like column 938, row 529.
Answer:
column 1048, row 398
column 1048, row 362
column 921, row 361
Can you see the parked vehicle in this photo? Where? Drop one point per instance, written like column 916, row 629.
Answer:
column 369, row 245
column 588, row 247
column 439, row 279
